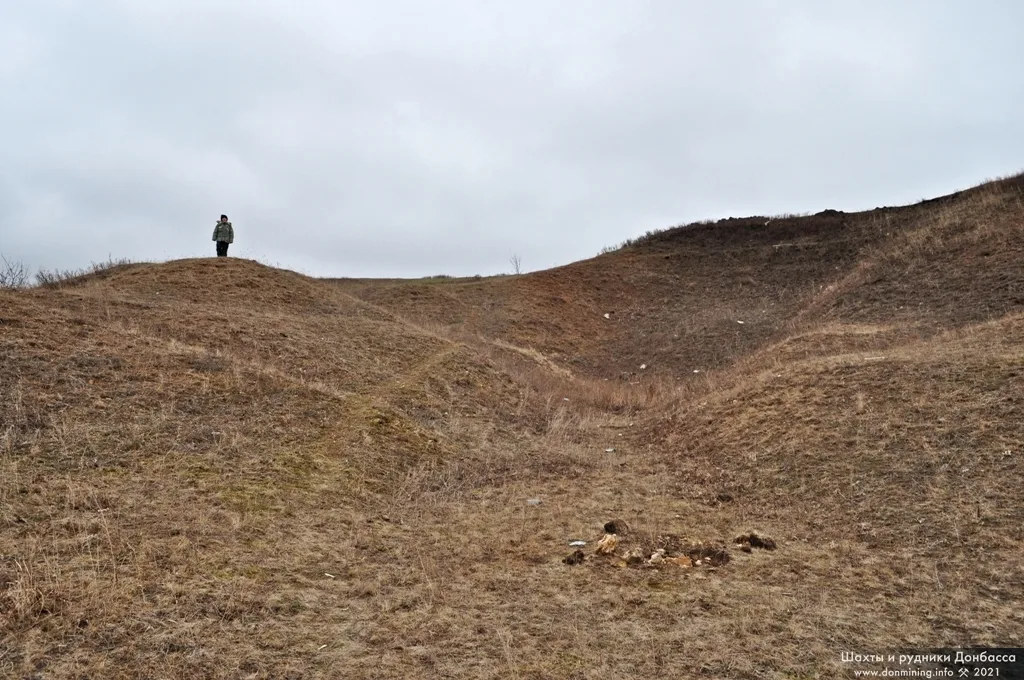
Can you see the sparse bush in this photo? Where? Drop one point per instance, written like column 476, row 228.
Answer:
column 13, row 274
column 648, row 236
column 46, row 278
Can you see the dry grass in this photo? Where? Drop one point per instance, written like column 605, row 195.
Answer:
column 307, row 479
column 55, row 278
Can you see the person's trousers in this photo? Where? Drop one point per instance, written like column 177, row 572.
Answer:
column 222, row 248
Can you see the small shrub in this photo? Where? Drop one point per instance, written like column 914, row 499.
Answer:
column 13, row 275
column 55, row 278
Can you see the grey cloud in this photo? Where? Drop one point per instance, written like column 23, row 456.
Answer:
column 411, row 138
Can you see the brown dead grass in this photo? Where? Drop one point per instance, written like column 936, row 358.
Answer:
column 214, row 469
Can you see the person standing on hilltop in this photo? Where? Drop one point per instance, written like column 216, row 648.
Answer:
column 224, row 235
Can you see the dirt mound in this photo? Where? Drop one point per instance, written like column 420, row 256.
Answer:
column 697, row 298
column 224, row 282
column 211, row 468
column 957, row 263
column 931, row 426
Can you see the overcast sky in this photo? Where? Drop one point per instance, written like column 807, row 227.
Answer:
column 418, row 137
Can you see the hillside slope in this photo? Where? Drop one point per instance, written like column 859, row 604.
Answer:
column 192, row 445
column 676, row 299
column 216, row 469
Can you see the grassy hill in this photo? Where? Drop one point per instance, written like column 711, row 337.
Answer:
column 212, row 468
